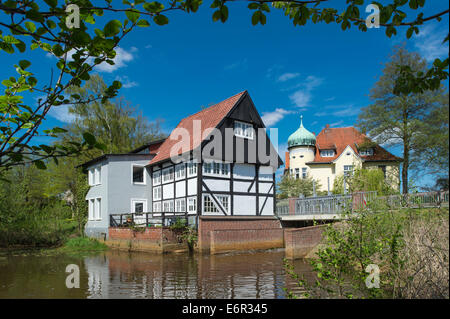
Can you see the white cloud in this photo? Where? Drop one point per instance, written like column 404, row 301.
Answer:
column 339, row 111
column 287, row 76
column 330, row 99
column 149, row 46
column 429, row 42
column 303, row 96
column 122, row 56
column 271, row 118
column 126, row 83
column 336, row 123
column 62, row 114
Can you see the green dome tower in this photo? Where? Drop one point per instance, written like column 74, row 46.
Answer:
column 302, row 149
column 301, row 137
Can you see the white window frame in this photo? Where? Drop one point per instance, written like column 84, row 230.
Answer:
column 348, row 170
column 170, row 175
column 94, row 208
column 212, row 168
column 180, row 171
column 137, row 201
column 143, row 174
column 191, row 169
column 243, row 130
column 156, row 178
column 220, row 199
column 327, row 153
column 366, row 152
column 180, row 205
column 191, row 208
column 170, row 203
column 157, row 207
column 297, row 173
column 155, row 191
column 95, row 175
column 304, row 172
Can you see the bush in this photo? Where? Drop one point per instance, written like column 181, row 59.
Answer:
column 410, row 247
column 83, row 244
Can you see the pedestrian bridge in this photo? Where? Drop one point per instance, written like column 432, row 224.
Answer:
column 336, row 207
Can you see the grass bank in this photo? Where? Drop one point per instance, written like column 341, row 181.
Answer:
column 82, row 244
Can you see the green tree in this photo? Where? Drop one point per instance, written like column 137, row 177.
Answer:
column 41, row 25
column 365, row 180
column 397, row 119
column 289, row 186
column 431, row 146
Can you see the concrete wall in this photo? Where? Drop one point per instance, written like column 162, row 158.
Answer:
column 231, row 233
column 301, row 242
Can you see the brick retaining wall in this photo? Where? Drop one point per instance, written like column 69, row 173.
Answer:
column 300, row 242
column 158, row 239
column 218, row 234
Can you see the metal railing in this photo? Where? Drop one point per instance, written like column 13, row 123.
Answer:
column 148, row 219
column 336, row 204
column 416, row 200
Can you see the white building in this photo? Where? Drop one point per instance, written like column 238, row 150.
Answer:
column 191, row 171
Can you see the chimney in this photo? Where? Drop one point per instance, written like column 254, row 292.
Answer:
column 286, row 164
column 327, row 126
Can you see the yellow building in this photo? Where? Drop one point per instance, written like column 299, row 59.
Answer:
column 337, row 151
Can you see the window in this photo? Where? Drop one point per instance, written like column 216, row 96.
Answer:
column 213, row 168
column 327, row 153
column 192, row 169
column 297, row 173
column 180, row 205
column 366, row 152
column 91, row 177
column 95, row 208
column 157, row 178
column 224, row 200
column 138, row 175
column 192, row 205
column 157, row 193
column 167, row 175
column 304, row 172
column 348, row 170
column 98, row 175
column 210, row 206
column 94, row 176
column 168, row 206
column 156, row 207
column 244, row 130
column 180, row 171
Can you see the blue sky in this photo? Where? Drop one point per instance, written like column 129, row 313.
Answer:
column 318, row 71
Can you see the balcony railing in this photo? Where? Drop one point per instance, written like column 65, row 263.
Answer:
column 147, row 219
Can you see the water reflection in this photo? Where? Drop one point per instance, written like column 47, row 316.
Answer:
column 116, row 274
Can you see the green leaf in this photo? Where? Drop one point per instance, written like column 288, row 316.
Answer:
column 161, row 20
column 153, row 7
column 40, row 164
column 24, row 64
column 89, row 138
column 112, row 28
column 30, row 26
column 143, row 23
column 51, row 3
column 133, row 15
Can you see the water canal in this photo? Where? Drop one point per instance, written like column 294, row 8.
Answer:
column 117, row 274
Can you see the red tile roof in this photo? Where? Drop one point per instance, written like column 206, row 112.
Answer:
column 209, row 117
column 340, row 137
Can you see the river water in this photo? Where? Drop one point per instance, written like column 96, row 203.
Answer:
column 117, row 274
